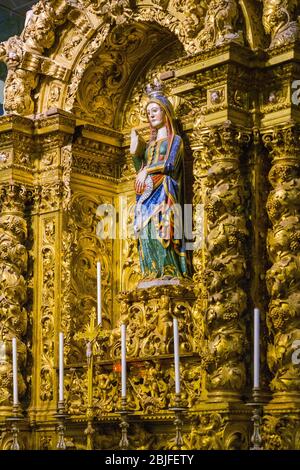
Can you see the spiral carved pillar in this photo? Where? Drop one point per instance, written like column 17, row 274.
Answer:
column 13, row 288
column 226, row 262
column 283, row 277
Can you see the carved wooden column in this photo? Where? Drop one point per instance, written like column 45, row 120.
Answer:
column 16, row 162
column 283, row 277
column 13, row 287
column 280, row 117
column 226, row 262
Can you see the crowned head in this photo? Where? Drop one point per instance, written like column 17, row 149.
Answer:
column 159, row 109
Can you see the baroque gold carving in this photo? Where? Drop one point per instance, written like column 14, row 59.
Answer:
column 103, row 82
column 281, row 432
column 131, row 273
column 112, row 50
column 19, row 83
column 47, row 309
column 150, row 324
column 41, row 20
column 214, row 431
column 279, row 20
column 113, row 11
column 220, row 24
column 82, row 249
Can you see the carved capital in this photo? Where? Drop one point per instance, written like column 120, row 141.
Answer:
column 224, row 142
column 13, row 198
column 283, row 143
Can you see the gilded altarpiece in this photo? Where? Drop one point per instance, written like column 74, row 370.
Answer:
column 74, row 90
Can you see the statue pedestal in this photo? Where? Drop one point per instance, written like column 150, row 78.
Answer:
column 148, row 312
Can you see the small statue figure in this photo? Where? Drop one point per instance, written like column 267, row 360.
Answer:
column 159, row 192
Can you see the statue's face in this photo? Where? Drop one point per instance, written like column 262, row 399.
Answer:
column 156, row 115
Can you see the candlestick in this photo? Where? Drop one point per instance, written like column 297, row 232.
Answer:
column 123, row 360
column 99, row 314
column 176, row 356
column 256, row 347
column 61, row 367
column 15, row 371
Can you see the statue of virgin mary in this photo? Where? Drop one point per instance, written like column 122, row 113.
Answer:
column 159, row 192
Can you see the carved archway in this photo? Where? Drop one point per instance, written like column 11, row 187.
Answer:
column 62, row 37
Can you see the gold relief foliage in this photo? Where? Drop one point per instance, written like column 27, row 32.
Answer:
column 150, row 324
column 140, row 438
column 76, row 391
column 106, row 392
column 206, row 432
column 221, row 23
column 48, row 197
column 193, row 12
column 283, row 243
column 200, row 168
column 113, row 11
column 150, row 387
column 82, row 248
column 214, row 431
column 130, row 273
column 66, row 163
column 47, row 308
column 113, row 49
column 71, row 44
column 279, row 432
column 83, row 63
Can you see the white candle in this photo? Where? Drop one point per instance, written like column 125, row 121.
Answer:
column 123, row 360
column 2, row 352
column 61, row 366
column 256, row 347
column 15, row 371
column 99, row 315
column 176, row 355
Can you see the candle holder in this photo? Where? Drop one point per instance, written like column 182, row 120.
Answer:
column 61, row 416
column 89, row 430
column 178, row 410
column 91, row 335
column 13, row 420
column 257, row 405
column 124, row 425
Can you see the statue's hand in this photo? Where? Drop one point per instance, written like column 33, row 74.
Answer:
column 134, row 141
column 140, row 180
column 137, row 144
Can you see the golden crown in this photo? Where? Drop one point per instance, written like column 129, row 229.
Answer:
column 154, row 90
